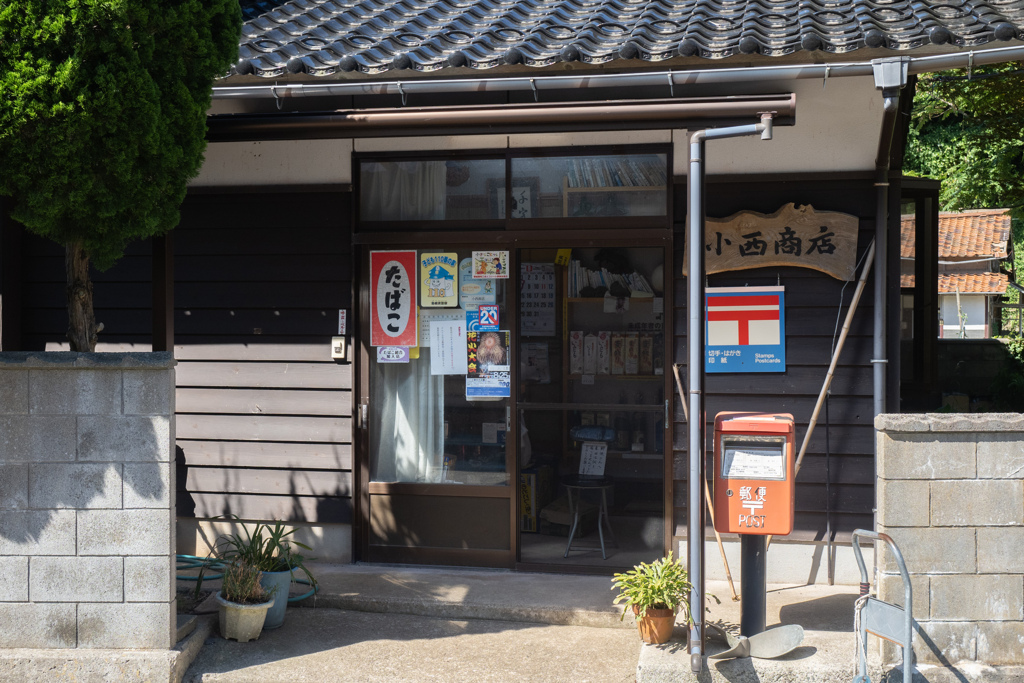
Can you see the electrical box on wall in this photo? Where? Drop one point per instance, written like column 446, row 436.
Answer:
column 339, row 348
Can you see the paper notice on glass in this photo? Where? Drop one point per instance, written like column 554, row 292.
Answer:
column 448, row 347
column 429, row 315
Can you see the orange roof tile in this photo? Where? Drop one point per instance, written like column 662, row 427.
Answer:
column 968, row 234
column 968, row 283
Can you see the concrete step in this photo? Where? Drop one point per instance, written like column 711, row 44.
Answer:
column 186, row 624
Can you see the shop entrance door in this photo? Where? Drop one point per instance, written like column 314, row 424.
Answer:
column 437, row 406
column 593, row 397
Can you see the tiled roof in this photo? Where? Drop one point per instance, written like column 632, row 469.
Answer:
column 968, row 283
column 331, row 37
column 977, row 233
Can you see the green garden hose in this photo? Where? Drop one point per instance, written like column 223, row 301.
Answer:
column 189, row 562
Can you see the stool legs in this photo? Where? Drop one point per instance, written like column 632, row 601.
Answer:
column 575, row 512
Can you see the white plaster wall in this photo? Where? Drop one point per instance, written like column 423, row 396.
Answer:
column 277, row 162
column 837, row 129
column 973, row 307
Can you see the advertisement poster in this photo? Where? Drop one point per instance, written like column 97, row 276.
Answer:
column 537, row 299
column 447, row 348
column 490, row 264
column 393, row 298
column 745, row 329
column 473, row 292
column 488, row 371
column 438, row 276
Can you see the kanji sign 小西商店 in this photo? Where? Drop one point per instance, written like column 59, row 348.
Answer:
column 792, row 236
column 393, row 298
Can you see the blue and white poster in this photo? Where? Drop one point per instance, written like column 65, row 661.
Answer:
column 745, row 329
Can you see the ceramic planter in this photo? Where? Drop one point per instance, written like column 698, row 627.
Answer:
column 277, row 584
column 656, row 625
column 241, row 622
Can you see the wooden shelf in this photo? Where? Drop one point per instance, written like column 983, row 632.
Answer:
column 600, row 299
column 617, row 188
column 610, row 376
column 611, row 407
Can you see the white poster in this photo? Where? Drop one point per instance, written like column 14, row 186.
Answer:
column 429, row 315
column 448, row 347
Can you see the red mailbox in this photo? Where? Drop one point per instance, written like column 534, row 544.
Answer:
column 754, row 479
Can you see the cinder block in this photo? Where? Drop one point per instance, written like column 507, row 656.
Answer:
column 890, row 589
column 149, row 579
column 126, row 625
column 941, row 642
column 999, row 643
column 13, row 579
column 124, row 532
column 927, row 456
column 999, row 550
column 37, row 532
column 124, row 439
column 38, row 625
column 37, row 439
column 902, row 502
column 148, row 392
column 13, row 392
column 74, row 391
column 147, row 485
column 902, row 422
column 977, row 597
column 74, row 485
column 77, row 579
column 1001, row 456
column 931, row 551
column 991, row 502
column 13, row 487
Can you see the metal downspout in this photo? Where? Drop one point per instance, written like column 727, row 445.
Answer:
column 695, row 371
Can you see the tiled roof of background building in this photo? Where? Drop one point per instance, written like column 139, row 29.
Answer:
column 968, row 283
column 331, row 37
column 977, row 233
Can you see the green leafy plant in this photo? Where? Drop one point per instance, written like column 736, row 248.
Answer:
column 662, row 584
column 265, row 548
column 242, row 585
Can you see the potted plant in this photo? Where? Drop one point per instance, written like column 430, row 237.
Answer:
column 270, row 551
column 243, row 603
column 655, row 592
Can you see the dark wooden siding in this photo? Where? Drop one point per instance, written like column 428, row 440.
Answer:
column 122, row 298
column 812, row 304
column 263, row 413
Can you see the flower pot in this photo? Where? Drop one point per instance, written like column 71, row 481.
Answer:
column 241, row 622
column 656, row 625
column 277, row 584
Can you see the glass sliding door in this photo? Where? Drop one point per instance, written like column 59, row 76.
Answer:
column 439, row 413
column 592, row 406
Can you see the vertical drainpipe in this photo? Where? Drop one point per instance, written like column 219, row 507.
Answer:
column 890, row 77
column 695, row 371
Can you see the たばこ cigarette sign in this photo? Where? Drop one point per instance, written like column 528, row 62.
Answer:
column 393, row 298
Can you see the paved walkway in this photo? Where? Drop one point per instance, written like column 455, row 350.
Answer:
column 376, row 623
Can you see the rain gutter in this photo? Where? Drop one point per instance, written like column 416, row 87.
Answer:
column 506, row 119
column 916, row 65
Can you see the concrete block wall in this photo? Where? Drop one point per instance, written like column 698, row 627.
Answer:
column 951, row 494
column 87, row 500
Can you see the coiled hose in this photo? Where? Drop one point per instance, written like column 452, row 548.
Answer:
column 190, row 562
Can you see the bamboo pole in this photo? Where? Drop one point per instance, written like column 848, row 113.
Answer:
column 707, row 491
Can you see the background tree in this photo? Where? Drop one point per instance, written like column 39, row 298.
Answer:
column 103, row 122
column 968, row 131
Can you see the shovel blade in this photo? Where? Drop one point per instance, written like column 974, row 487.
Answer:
column 776, row 642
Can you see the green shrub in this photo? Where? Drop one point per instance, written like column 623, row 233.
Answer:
column 242, row 585
column 662, row 584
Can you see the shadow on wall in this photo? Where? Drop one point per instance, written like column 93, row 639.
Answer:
column 114, row 467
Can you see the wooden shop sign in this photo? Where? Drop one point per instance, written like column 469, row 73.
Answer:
column 792, row 236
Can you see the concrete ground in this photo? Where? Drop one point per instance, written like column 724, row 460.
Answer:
column 375, row 623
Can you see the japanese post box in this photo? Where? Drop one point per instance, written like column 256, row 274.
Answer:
column 754, row 487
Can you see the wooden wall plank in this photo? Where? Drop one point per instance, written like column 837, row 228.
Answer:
column 267, row 267
column 306, row 456
column 291, row 482
column 322, row 510
column 264, row 428
column 264, row 401
column 248, row 323
column 265, row 375
column 261, row 349
column 262, row 295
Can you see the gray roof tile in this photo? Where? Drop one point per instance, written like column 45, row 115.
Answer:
column 330, row 37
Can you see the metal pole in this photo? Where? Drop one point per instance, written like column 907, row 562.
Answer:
column 695, row 371
column 753, row 584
